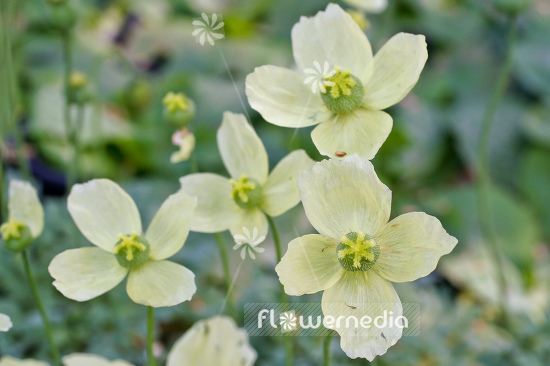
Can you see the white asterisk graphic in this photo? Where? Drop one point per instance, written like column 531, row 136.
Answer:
column 208, row 29
column 248, row 243
column 318, row 77
column 288, row 321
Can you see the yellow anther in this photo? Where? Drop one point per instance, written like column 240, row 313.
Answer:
column 11, row 229
column 359, row 249
column 131, row 244
column 241, row 188
column 343, row 82
column 176, row 102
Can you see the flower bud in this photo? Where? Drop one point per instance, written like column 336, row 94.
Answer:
column 16, row 235
column 179, row 110
column 138, row 96
column 79, row 91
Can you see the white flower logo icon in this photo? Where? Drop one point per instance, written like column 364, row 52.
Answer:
column 206, row 29
column 318, row 77
column 288, row 321
column 249, row 243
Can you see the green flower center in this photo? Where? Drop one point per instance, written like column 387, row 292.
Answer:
column 344, row 92
column 357, row 252
column 132, row 251
column 247, row 192
column 16, row 235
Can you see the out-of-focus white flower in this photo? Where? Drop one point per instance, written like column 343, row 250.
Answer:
column 5, row 323
column 10, row 361
column 475, row 270
column 25, row 216
column 75, row 359
column 83, row 359
column 370, row 6
column 216, row 341
column 185, row 140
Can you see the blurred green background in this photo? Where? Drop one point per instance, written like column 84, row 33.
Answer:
column 134, row 52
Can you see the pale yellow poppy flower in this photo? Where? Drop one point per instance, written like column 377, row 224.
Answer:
column 359, row 253
column 356, row 86
column 108, row 217
column 244, row 200
column 75, row 359
column 5, row 323
column 25, row 216
column 214, row 341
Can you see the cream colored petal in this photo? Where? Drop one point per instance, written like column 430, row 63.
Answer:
column 281, row 189
column 160, row 284
column 216, row 210
column 241, row 149
column 333, row 36
column 310, row 265
column 83, row 359
column 410, row 247
column 170, row 226
column 102, row 211
column 355, row 296
column 84, row 273
column 360, row 132
column 281, row 96
column 370, row 6
column 250, row 219
column 24, row 206
column 214, row 341
column 397, row 67
column 10, row 361
column 345, row 195
column 5, row 323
